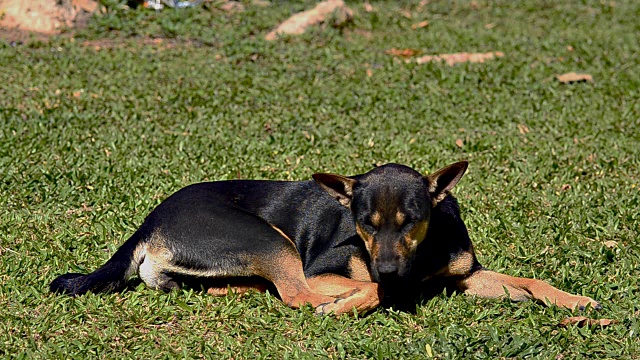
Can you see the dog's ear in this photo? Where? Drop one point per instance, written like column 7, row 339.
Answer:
column 443, row 180
column 338, row 186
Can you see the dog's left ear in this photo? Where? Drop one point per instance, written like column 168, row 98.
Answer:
column 338, row 186
column 443, row 180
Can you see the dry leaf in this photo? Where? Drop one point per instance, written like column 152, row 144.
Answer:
column 459, row 143
column 581, row 321
column 232, row 6
column 406, row 13
column 565, row 187
column 420, row 25
column 452, row 59
column 368, row 7
column 523, row 129
column 403, row 53
column 369, row 72
column 572, row 77
column 300, row 22
column 261, row 3
column 610, row 244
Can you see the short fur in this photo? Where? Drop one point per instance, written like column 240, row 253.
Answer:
column 337, row 243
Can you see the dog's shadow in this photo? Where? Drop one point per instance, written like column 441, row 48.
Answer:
column 401, row 298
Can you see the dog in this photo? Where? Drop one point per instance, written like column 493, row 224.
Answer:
column 338, row 243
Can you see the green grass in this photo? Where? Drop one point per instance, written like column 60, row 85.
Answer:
column 91, row 139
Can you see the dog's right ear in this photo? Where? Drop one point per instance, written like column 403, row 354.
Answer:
column 442, row 181
column 338, row 186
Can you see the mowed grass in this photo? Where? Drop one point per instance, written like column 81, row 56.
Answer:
column 97, row 127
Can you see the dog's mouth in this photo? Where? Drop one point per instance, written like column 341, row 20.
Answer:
column 389, row 276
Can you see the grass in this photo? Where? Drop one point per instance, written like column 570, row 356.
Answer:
column 100, row 125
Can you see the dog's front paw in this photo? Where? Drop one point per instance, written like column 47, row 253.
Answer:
column 335, row 307
column 579, row 302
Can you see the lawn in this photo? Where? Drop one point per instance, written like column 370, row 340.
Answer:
column 99, row 125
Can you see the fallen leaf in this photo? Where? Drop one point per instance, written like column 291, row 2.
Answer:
column 369, row 72
column 565, row 187
column 459, row 143
column 523, row 129
column 452, row 59
column 610, row 244
column 403, row 53
column 232, row 6
column 368, row 7
column 261, row 3
column 573, row 77
column 300, row 22
column 420, row 25
column 581, row 321
column 406, row 13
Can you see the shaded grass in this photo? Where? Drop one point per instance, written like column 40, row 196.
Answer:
column 97, row 129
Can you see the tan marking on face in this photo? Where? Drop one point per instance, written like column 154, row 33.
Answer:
column 400, row 218
column 417, row 234
column 376, row 219
column 358, row 269
column 369, row 242
column 403, row 250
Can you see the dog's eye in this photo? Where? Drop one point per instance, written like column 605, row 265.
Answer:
column 406, row 225
column 368, row 225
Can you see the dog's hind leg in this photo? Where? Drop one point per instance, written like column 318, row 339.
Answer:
column 284, row 269
column 490, row 284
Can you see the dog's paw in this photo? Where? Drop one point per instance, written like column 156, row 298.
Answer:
column 580, row 302
column 360, row 299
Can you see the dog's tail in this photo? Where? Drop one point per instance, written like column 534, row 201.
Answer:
column 112, row 276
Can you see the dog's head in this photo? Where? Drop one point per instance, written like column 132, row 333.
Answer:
column 391, row 206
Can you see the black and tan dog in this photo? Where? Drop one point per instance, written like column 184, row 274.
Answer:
column 337, row 243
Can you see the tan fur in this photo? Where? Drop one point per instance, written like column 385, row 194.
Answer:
column 376, row 219
column 400, row 218
column 358, row 269
column 361, row 295
column 416, row 235
column 490, row 284
column 368, row 241
column 460, row 264
column 283, row 235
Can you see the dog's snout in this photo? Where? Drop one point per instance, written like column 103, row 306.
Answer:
column 388, row 269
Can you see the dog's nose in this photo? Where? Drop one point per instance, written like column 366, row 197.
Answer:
column 388, row 269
